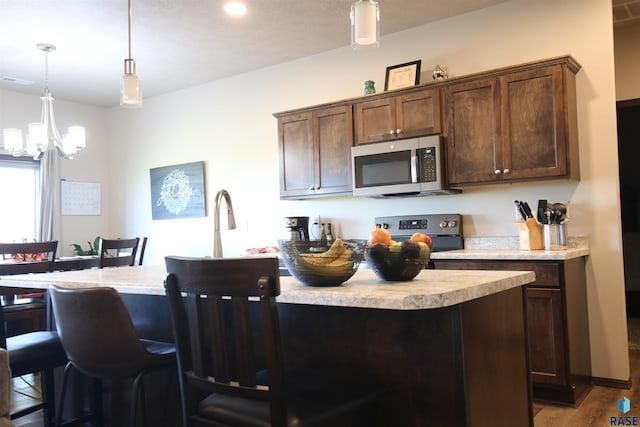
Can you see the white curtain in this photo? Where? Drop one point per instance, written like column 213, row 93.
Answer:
column 47, row 194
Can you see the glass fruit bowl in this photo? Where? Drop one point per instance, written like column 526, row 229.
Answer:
column 398, row 261
column 316, row 263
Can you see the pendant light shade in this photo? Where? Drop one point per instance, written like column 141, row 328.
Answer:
column 130, row 94
column 365, row 24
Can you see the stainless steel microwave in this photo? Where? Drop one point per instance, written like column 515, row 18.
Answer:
column 406, row 167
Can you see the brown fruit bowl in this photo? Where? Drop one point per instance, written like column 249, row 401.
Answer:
column 306, row 260
column 397, row 262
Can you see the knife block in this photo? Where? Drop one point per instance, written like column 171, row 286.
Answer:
column 530, row 233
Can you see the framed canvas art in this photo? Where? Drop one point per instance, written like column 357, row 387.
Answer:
column 178, row 191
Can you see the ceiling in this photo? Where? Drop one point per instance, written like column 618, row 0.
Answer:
column 177, row 44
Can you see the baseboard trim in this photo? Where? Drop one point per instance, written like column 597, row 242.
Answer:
column 610, row 382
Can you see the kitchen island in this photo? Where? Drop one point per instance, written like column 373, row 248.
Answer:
column 450, row 347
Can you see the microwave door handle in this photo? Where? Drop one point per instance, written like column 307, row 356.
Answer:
column 414, row 167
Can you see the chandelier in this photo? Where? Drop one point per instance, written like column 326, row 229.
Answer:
column 365, row 24
column 42, row 133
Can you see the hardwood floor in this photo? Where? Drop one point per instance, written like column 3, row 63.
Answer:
column 19, row 400
column 597, row 408
column 602, row 402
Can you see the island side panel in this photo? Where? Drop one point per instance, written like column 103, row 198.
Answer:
column 496, row 366
column 414, row 354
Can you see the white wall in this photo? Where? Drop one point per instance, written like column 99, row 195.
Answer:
column 229, row 125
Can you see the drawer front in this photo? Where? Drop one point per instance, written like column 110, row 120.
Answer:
column 548, row 274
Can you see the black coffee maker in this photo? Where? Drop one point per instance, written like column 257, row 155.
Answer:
column 298, row 226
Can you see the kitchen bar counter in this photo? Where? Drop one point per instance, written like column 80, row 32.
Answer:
column 449, row 347
column 430, row 289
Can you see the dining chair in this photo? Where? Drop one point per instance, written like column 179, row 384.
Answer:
column 25, row 310
column 225, row 321
column 141, row 249
column 99, row 338
column 118, row 252
column 35, row 351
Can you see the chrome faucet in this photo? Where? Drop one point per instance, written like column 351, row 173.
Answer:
column 231, row 222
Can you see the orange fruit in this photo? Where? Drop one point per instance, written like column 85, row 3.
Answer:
column 380, row 235
column 421, row 237
column 417, row 237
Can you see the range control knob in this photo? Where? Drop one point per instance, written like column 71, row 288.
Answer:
column 452, row 223
column 443, row 223
column 385, row 226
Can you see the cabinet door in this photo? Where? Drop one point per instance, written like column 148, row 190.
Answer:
column 472, row 132
column 533, row 125
column 398, row 116
column 297, row 157
column 334, row 139
column 546, row 336
column 375, row 120
column 418, row 113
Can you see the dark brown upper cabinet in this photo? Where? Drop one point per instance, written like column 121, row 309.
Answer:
column 315, row 152
column 397, row 116
column 513, row 125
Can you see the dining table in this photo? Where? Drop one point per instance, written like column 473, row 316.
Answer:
column 450, row 347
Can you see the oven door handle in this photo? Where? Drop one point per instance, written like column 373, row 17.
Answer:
column 414, row 166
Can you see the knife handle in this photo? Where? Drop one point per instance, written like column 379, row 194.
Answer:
column 520, row 210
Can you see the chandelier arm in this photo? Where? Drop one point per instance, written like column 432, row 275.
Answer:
column 56, row 138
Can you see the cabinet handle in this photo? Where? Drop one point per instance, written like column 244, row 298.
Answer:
column 398, row 131
column 506, row 171
column 391, row 132
column 312, row 188
column 497, row 172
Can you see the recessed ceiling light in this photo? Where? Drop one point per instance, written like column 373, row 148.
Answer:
column 235, row 8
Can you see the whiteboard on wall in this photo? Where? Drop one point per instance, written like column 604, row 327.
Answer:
column 80, row 198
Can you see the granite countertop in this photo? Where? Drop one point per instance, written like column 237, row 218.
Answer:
column 508, row 248
column 430, row 289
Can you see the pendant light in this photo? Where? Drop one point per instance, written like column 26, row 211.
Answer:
column 130, row 95
column 365, row 24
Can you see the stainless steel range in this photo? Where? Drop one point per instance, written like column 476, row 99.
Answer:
column 445, row 230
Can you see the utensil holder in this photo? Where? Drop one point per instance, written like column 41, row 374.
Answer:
column 530, row 234
column 555, row 237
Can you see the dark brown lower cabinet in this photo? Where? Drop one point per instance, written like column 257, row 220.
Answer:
column 557, row 325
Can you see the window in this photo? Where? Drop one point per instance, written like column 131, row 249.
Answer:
column 19, row 178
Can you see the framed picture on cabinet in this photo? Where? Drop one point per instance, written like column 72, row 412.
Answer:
column 402, row 75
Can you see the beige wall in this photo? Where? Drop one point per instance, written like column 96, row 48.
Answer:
column 229, row 125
